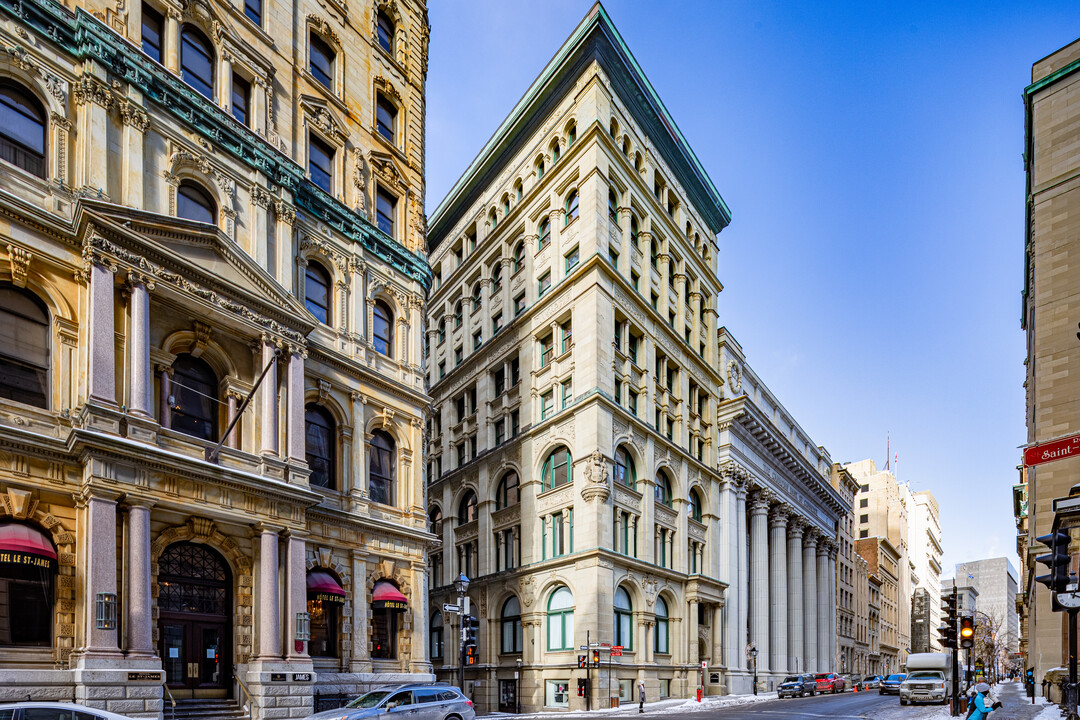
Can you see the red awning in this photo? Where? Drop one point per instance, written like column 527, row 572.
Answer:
column 387, row 597
column 23, row 545
column 322, row 586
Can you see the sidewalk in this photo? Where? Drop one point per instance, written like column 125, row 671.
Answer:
column 679, row 705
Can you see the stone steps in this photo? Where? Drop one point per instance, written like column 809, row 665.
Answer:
column 205, row 710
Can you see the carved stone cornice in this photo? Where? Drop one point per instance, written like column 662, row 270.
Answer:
column 89, row 89
column 134, row 116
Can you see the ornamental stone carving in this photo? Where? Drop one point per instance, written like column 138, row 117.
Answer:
column 20, row 264
column 596, row 480
column 734, row 372
column 134, row 116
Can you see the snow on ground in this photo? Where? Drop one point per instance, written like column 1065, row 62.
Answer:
column 676, row 705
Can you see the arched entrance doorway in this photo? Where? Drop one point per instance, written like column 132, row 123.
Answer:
column 195, row 609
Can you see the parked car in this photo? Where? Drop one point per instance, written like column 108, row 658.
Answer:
column 830, row 682
column 853, row 681
column 54, row 711
column 871, row 682
column 923, row 686
column 423, row 702
column 797, row 686
column 891, row 685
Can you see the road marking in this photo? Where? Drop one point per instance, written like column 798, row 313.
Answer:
column 788, row 713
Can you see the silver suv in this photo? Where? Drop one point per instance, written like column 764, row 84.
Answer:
column 405, row 702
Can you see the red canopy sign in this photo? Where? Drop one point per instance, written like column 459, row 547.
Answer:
column 1056, row 450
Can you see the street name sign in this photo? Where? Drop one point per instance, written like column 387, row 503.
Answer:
column 1050, row 451
column 451, row 607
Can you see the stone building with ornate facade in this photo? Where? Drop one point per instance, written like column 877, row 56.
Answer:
column 203, row 202
column 847, row 590
column 603, row 464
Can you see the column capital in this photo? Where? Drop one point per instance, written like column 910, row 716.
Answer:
column 759, row 501
column 810, row 537
column 795, row 528
column 778, row 515
column 261, row 528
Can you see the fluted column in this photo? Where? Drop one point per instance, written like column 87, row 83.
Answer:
column 796, row 663
column 268, row 401
column 269, row 623
column 778, row 621
column 832, row 605
column 810, row 612
column 729, row 563
column 141, row 400
column 743, row 577
column 140, row 630
column 759, row 578
column 824, row 609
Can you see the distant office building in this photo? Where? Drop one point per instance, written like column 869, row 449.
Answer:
column 995, row 579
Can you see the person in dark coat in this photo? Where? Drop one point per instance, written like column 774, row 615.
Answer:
column 641, row 696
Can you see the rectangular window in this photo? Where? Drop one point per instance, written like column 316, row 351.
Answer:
column 567, row 329
column 477, row 340
column 864, row 518
column 500, row 431
column 459, row 405
column 572, row 259
column 864, row 502
column 385, row 210
column 635, row 279
column 547, row 346
column 320, row 163
column 618, row 391
column 547, row 405
column 472, row 446
column 515, row 372
column 557, row 529
column 442, row 369
column 613, row 256
column 519, row 304
column 633, row 402
column 385, row 118
column 500, row 381
column 321, row 59
column 545, row 283
column 253, row 9
column 458, row 354
column 460, row 454
column 241, row 91
column 515, row 423
column 567, row 394
column 864, row 534
column 670, row 430
column 618, row 335
column 654, row 300
column 152, row 23
column 496, row 323
column 864, row 488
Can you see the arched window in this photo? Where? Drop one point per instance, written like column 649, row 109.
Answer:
column 384, row 619
column 572, row 207
column 519, row 256
column 382, row 329
column 571, row 135
column 435, row 521
column 539, row 169
column 557, row 470
column 509, row 491
column 639, row 163
column 24, row 347
column 506, row 205
column 613, row 128
column 195, row 397
column 555, row 151
column 496, row 277
column 22, row 129
column 325, row 598
column 519, row 190
column 317, row 292
column 476, row 297
column 321, row 446
column 613, row 206
column 26, row 580
column 321, row 61
column 624, row 468
column 194, row 203
column 660, row 630
column 626, row 145
column 544, row 232
column 693, row 507
column 493, row 218
column 197, row 61
column 436, row 634
column 385, row 32
column 459, row 313
column 381, row 468
column 511, row 626
column 467, row 508
column 624, row 619
column 662, row 493
column 560, row 612
column 634, row 231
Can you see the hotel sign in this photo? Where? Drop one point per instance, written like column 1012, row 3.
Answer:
column 1050, row 451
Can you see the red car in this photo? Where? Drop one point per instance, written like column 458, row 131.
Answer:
column 830, row 682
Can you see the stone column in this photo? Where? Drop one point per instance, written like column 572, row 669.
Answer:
column 717, row 634
column 729, row 562
column 136, row 122
column 759, row 578
column 810, row 612
column 295, row 591
column 268, row 401
column 796, row 662
column 141, row 402
column 165, row 372
column 778, row 620
column 743, row 576
column 361, row 655
column 224, row 99
column 102, row 335
column 295, row 411
column 832, row 605
column 692, row 634
column 140, row 631
column 824, row 608
column 267, row 617
column 171, row 56
column 99, row 513
column 233, row 398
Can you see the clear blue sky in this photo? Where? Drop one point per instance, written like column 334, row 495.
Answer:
column 871, row 157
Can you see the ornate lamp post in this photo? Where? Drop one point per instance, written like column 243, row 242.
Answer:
column 462, row 587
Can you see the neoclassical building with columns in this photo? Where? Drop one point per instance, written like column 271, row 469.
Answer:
column 211, row 387
column 602, row 464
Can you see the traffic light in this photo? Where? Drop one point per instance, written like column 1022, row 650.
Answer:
column 1057, row 560
column 948, row 606
column 596, row 658
column 470, row 654
column 472, row 624
column 948, row 636
column 582, row 662
column 967, row 632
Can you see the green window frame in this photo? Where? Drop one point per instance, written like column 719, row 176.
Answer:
column 571, row 136
column 544, row 283
column 693, row 508
column 558, row 469
column 560, row 612
column 547, row 348
column 547, row 405
column 567, row 394
column 567, row 331
column 660, row 629
column 632, row 401
column 543, row 232
column 625, row 473
column 662, row 491
column 571, row 207
column 519, row 257
column 572, row 259
column 519, row 304
column 624, row 619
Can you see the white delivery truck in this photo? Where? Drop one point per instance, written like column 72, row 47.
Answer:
column 929, row 678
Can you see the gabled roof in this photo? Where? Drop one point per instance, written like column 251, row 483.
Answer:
column 595, row 38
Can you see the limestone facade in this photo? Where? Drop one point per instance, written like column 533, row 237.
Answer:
column 1052, row 199
column 847, row 590
column 883, row 565
column 198, row 201
column 602, row 464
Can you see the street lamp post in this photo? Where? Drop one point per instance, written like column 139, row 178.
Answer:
column 517, row 688
column 753, row 659
column 462, row 587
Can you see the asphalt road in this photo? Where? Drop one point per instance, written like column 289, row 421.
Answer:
column 845, row 706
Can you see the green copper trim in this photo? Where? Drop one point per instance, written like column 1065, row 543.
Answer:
column 83, row 36
column 594, row 37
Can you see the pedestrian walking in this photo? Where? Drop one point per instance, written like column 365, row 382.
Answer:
column 980, row 710
column 641, row 696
